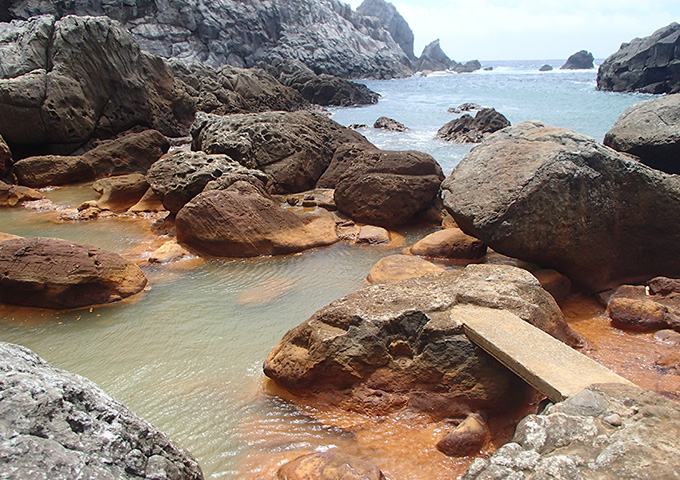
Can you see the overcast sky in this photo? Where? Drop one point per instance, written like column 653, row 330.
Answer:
column 532, row 29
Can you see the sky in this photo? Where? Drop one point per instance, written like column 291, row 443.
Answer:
column 531, row 29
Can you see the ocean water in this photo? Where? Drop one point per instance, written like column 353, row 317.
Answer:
column 187, row 354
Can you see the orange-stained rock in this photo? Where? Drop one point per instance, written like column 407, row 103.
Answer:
column 169, row 252
column 449, row 243
column 554, row 282
column 121, row 192
column 13, row 195
column 373, row 235
column 329, row 465
column 466, row 439
column 399, row 267
column 631, row 307
column 148, row 203
column 7, row 236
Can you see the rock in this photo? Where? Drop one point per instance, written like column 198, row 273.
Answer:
column 392, row 21
column 327, row 36
column 170, row 251
column 373, row 235
column 466, row 439
column 132, row 153
column 148, row 203
column 98, row 84
column 433, row 58
column 647, row 65
column 120, row 193
column 557, row 285
column 400, row 267
column 473, row 130
column 392, row 344
column 546, row 68
column 229, row 223
column 582, row 60
column 381, row 187
column 554, row 197
column 60, row 426
column 293, row 148
column 664, row 286
column 228, row 89
column 177, row 178
column 7, row 236
column 668, row 336
column 13, row 195
column 449, row 243
column 465, row 107
column 78, row 275
column 567, row 441
column 391, row 125
column 467, row 67
column 6, row 162
column 651, row 131
column 633, row 308
column 324, row 89
column 329, row 465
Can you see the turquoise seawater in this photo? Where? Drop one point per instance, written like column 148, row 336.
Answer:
column 187, row 354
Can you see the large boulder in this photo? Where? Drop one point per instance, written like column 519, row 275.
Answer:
column 651, row 131
column 65, row 81
column 473, row 130
column 648, row 65
column 379, row 187
column 6, row 162
column 121, row 192
column 393, row 22
column 177, row 178
column 582, row 60
column 433, row 58
column 132, row 153
column 606, row 432
column 61, row 426
column 646, row 308
column 54, row 273
column 294, row 148
column 399, row 343
column 13, row 195
column 450, row 243
column 241, row 222
column 561, row 200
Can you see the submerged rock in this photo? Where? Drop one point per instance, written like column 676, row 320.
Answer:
column 329, row 465
column 385, row 123
column 400, row 267
column 465, row 107
column 582, row 60
column 54, row 273
column 467, row 438
column 394, row 344
column 120, row 193
column 647, row 65
column 473, row 130
column 61, row 426
column 546, row 68
column 555, row 198
column 651, row 131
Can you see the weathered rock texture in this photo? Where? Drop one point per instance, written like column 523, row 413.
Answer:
column 449, row 243
column 241, row 222
column 121, row 192
column 293, row 148
column 61, row 426
column 132, row 153
column 649, row 65
column 380, row 187
column 582, row 60
column 605, row 432
column 395, row 344
column 326, row 35
column 650, row 130
column 393, row 22
column 5, row 159
column 634, row 307
column 473, row 130
column 179, row 177
column 386, row 123
column 561, row 200
column 433, row 58
column 13, row 195
column 63, row 82
column 329, row 465
column 400, row 267
column 54, row 273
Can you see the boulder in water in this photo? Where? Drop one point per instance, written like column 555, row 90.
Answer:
column 473, row 130
column 121, row 192
column 14, row 195
column 329, row 465
column 389, row 124
column 433, row 58
column 546, row 68
column 582, row 60
column 653, row 308
column 400, row 267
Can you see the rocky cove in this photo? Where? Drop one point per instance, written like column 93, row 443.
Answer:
column 367, row 376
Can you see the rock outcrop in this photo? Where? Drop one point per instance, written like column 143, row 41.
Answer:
column 604, row 432
column 651, row 131
column 394, row 344
column 473, row 130
column 61, row 426
column 63, row 82
column 582, row 60
column 433, row 58
column 293, row 148
column 379, row 187
column 561, row 200
column 393, row 22
column 54, row 273
column 132, row 153
column 326, row 35
column 648, row 65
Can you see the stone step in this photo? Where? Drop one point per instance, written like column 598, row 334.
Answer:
column 555, row 369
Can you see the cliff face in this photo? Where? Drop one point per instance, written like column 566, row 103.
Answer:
column 393, row 22
column 326, row 35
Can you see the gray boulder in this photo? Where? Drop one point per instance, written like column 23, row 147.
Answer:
column 651, row 131
column 433, row 58
column 473, row 130
column 648, row 65
column 561, row 200
column 294, row 149
column 467, row 67
column 582, row 60
column 389, row 124
column 393, row 22
column 61, row 426
column 546, row 68
column 606, row 432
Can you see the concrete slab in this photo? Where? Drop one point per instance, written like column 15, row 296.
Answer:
column 550, row 366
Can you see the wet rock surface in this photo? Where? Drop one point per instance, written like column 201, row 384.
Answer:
column 554, row 197
column 604, row 432
column 54, row 273
column 330, row 465
column 467, row 129
column 449, row 243
column 121, row 192
column 394, row 268
column 389, row 124
column 647, row 308
column 14, row 195
column 59, row 426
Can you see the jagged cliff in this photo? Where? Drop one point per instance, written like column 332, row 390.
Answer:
column 326, row 35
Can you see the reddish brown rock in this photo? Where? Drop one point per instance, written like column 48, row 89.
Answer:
column 120, row 193
column 373, row 235
column 466, row 439
column 631, row 307
column 148, row 203
column 400, row 267
column 54, row 273
column 13, row 195
column 449, row 243
column 329, row 465
column 554, row 282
